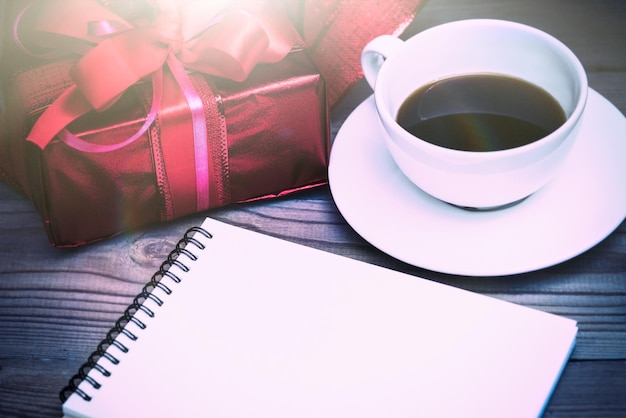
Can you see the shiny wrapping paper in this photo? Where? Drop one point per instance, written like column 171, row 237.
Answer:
column 267, row 134
column 274, row 141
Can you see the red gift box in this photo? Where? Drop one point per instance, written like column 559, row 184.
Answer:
column 269, row 137
column 265, row 134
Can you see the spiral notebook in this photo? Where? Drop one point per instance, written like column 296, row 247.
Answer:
column 241, row 324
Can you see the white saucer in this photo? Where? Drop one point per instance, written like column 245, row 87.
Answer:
column 574, row 212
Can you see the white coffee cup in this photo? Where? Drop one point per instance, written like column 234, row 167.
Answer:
column 490, row 179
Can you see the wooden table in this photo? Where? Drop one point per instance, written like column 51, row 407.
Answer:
column 56, row 305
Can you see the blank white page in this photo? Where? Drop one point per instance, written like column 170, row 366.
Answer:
column 261, row 327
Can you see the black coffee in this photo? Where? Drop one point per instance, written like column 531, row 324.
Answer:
column 481, row 112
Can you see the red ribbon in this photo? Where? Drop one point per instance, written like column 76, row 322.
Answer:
column 219, row 37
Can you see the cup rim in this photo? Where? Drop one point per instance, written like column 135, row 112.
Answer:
column 401, row 136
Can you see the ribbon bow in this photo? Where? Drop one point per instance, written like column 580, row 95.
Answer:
column 218, row 37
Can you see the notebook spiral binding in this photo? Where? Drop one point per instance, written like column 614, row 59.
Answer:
column 128, row 315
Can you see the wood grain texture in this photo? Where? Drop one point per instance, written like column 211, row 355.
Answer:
column 56, row 305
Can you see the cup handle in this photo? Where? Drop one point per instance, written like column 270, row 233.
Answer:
column 375, row 53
